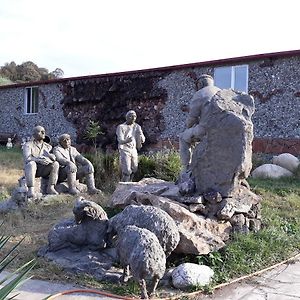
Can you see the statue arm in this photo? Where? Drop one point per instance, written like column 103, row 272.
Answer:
column 191, row 121
column 121, row 137
column 27, row 155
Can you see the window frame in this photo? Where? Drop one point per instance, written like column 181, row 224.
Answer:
column 31, row 110
column 233, row 77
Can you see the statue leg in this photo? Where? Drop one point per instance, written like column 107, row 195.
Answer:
column 134, row 163
column 71, row 178
column 90, row 182
column 30, row 172
column 185, row 152
column 125, row 162
column 53, row 176
column 153, row 286
column 143, row 288
column 187, row 140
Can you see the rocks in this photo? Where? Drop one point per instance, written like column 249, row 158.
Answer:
column 287, row 161
column 222, row 159
column 152, row 218
column 270, row 171
column 188, row 275
column 198, row 235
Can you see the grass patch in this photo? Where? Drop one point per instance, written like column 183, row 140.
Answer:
column 278, row 239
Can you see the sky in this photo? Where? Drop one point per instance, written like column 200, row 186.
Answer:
column 86, row 37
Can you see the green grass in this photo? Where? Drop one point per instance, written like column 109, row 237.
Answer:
column 244, row 254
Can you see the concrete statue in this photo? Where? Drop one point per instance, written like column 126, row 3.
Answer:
column 130, row 139
column 9, row 143
column 73, row 165
column 196, row 111
column 39, row 162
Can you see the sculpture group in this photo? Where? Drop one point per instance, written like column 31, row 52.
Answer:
column 211, row 198
column 64, row 163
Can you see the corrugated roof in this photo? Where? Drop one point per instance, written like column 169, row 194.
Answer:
column 240, row 59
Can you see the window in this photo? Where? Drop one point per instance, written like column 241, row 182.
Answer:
column 235, row 77
column 31, row 100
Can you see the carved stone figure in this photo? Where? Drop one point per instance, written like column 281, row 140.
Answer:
column 195, row 127
column 140, row 252
column 9, row 144
column 73, row 166
column 130, row 139
column 39, row 162
column 87, row 229
column 152, row 218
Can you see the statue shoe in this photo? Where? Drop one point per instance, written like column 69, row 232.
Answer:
column 51, row 190
column 73, row 191
column 93, row 191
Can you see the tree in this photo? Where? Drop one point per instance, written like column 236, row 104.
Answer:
column 28, row 71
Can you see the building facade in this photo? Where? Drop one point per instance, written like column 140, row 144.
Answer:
column 158, row 95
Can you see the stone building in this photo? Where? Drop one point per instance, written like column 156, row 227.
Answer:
column 158, row 95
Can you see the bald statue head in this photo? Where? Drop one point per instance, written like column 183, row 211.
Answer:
column 130, row 117
column 39, row 133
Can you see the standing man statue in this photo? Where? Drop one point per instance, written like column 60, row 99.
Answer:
column 196, row 112
column 130, row 139
column 39, row 162
column 73, row 166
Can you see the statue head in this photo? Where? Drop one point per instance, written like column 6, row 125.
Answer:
column 65, row 140
column 130, row 117
column 205, row 80
column 39, row 133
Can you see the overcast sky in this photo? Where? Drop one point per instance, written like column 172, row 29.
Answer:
column 84, row 37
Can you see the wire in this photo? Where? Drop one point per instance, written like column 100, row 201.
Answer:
column 179, row 295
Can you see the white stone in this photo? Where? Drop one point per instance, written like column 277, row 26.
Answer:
column 188, row 274
column 271, row 171
column 287, row 161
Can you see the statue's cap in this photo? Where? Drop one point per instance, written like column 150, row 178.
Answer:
column 204, row 76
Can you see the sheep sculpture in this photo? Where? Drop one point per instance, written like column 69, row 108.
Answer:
column 152, row 218
column 88, row 229
column 140, row 252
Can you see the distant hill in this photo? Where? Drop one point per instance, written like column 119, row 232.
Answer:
column 26, row 72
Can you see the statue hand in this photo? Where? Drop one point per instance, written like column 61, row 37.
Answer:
column 52, row 156
column 43, row 160
column 128, row 140
column 72, row 168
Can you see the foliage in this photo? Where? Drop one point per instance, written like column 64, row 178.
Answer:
column 259, row 159
column 9, row 283
column 93, row 131
column 11, row 169
column 164, row 165
column 5, row 81
column 27, row 71
column 106, row 167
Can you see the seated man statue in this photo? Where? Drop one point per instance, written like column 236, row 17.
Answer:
column 130, row 138
column 39, row 162
column 196, row 112
column 73, row 166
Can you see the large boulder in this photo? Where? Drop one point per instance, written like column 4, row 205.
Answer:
column 223, row 158
column 188, row 275
column 287, row 161
column 270, row 171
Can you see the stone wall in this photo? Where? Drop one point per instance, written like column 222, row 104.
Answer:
column 157, row 96
column 14, row 120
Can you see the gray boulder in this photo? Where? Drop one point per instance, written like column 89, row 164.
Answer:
column 188, row 275
column 223, row 158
